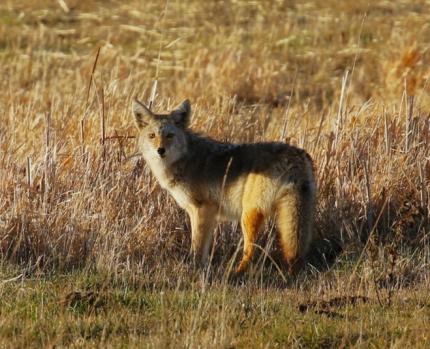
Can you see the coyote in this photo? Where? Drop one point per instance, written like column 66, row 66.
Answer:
column 215, row 181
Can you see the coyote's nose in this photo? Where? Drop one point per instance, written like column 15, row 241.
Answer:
column 161, row 151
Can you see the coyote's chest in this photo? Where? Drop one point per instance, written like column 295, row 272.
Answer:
column 180, row 195
column 167, row 180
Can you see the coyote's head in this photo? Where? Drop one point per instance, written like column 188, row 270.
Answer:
column 162, row 136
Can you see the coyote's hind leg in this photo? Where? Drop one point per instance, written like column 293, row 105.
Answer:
column 251, row 222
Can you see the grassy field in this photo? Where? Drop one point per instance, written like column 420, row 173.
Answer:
column 94, row 254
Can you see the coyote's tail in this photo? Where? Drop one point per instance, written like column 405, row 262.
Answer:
column 295, row 211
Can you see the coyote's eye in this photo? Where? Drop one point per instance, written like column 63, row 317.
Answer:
column 151, row 135
column 170, row 135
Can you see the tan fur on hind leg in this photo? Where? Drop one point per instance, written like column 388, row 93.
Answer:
column 251, row 223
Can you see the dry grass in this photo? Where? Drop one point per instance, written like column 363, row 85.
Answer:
column 347, row 80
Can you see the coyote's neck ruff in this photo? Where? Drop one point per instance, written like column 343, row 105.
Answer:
column 216, row 181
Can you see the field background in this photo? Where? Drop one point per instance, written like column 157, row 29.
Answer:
column 94, row 254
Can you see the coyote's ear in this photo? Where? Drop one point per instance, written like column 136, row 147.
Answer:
column 182, row 114
column 142, row 114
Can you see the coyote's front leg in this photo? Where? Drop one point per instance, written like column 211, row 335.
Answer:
column 203, row 221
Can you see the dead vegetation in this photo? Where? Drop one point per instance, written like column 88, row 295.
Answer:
column 347, row 81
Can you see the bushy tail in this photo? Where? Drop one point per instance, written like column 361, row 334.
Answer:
column 295, row 214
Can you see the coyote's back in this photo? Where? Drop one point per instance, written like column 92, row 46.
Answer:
column 216, row 181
